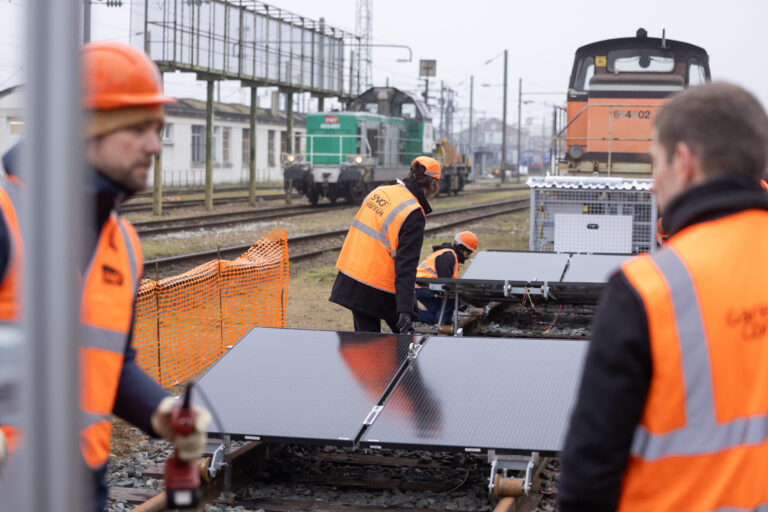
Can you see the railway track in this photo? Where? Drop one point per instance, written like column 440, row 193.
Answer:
column 147, row 194
column 212, row 220
column 133, row 206
column 487, row 210
column 137, row 207
column 289, row 478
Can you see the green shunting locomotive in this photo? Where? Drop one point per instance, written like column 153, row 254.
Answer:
column 347, row 154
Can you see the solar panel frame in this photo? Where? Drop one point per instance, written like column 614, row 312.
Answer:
column 466, row 379
column 522, row 266
column 261, row 390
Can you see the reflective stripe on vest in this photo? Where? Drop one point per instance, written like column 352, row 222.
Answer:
column 109, row 289
column 428, row 267
column 702, row 443
column 10, row 279
column 702, row 433
column 370, row 247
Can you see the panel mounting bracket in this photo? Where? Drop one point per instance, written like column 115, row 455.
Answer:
column 502, row 464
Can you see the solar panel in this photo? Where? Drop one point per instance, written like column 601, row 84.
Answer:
column 477, row 394
column 593, row 268
column 516, row 266
column 302, row 386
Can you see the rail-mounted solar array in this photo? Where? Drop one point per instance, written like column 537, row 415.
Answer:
column 378, row 390
column 508, row 275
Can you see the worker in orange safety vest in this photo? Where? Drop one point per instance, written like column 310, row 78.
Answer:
column 377, row 263
column 123, row 99
column 672, row 412
column 10, row 316
column 443, row 262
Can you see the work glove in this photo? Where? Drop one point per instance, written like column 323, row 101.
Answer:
column 405, row 323
column 189, row 447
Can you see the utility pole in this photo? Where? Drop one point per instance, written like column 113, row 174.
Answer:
column 209, row 146
column 426, row 91
column 552, row 141
column 504, row 123
column 471, row 108
column 519, row 125
column 442, row 108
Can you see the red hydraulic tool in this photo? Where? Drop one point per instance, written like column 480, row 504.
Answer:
column 182, row 478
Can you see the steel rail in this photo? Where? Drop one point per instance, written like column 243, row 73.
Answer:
column 131, row 207
column 194, row 189
column 515, row 205
column 143, row 206
column 159, row 227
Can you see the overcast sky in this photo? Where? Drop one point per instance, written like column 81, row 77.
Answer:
column 541, row 37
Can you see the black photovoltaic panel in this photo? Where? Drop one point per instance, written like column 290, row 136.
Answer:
column 476, row 394
column 516, row 266
column 301, row 385
column 593, row 268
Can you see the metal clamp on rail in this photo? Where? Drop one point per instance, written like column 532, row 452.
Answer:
column 216, row 461
column 415, row 347
column 500, row 484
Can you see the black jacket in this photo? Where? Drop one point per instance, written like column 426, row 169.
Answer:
column 446, row 262
column 137, row 394
column 617, row 371
column 357, row 296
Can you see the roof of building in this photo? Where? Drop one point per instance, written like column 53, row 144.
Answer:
column 189, row 107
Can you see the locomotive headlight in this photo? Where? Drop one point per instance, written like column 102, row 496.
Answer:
column 575, row 151
column 358, row 159
column 290, row 158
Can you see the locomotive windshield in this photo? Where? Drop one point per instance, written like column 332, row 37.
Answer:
column 640, row 61
column 637, row 60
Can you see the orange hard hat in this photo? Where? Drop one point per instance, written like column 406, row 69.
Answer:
column 431, row 165
column 467, row 239
column 117, row 75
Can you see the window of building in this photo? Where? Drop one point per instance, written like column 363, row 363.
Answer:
column 225, row 133
column 271, row 148
column 283, row 142
column 198, row 144
column 297, row 143
column 246, row 143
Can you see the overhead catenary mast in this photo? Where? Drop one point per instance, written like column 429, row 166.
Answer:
column 364, row 30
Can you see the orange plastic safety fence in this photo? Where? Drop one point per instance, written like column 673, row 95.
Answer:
column 186, row 322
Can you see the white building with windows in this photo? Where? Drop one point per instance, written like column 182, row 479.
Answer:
column 183, row 157
column 184, row 142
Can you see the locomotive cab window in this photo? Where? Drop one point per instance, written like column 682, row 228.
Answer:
column 408, row 110
column 584, row 74
column 640, row 61
column 697, row 73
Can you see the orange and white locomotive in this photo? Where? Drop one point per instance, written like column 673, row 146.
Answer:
column 616, row 88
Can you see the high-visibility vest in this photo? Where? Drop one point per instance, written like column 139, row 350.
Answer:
column 10, row 311
column 702, row 441
column 10, row 281
column 428, row 269
column 109, row 288
column 369, row 250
